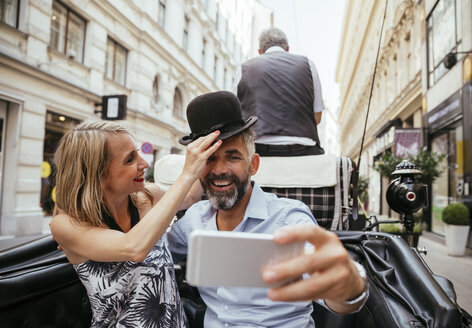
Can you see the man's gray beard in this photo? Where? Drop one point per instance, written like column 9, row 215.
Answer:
column 224, row 200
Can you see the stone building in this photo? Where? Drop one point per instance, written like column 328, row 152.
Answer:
column 397, row 92
column 422, row 91
column 447, row 101
column 59, row 58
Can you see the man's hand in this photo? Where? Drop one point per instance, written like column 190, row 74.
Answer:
column 333, row 275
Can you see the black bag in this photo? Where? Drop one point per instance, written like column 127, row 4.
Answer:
column 40, row 288
column 403, row 290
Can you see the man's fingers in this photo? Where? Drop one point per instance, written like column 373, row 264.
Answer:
column 315, row 287
column 213, row 148
column 205, row 141
column 303, row 232
column 306, row 263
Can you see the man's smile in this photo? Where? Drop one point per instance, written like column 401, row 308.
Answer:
column 222, row 185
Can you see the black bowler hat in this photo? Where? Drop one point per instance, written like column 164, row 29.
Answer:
column 213, row 111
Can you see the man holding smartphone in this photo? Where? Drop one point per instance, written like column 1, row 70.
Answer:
column 235, row 203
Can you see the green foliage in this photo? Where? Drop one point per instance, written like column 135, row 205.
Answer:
column 391, row 228
column 427, row 162
column 418, row 216
column 456, row 214
column 363, row 188
column 397, row 228
column 386, row 164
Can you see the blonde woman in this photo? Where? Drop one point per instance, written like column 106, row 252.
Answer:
column 111, row 226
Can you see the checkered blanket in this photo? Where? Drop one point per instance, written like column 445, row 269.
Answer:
column 330, row 205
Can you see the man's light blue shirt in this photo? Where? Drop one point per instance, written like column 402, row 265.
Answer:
column 246, row 307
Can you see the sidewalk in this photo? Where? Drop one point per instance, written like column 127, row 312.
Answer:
column 457, row 269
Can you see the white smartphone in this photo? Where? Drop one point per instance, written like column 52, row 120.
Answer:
column 236, row 259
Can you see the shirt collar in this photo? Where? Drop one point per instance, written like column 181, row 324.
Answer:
column 256, row 208
column 273, row 49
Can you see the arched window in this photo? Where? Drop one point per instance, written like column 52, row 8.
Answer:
column 155, row 90
column 178, row 110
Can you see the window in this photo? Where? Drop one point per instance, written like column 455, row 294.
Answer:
column 9, row 10
column 444, row 36
column 215, row 67
column 115, row 66
column 225, row 78
column 67, row 32
column 161, row 13
column 185, row 36
column 178, row 106
column 155, row 90
column 204, row 45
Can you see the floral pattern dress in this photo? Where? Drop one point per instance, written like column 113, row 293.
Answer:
column 134, row 294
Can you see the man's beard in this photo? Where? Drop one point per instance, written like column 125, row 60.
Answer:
column 225, row 200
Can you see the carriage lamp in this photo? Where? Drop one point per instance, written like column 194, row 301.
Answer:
column 407, row 196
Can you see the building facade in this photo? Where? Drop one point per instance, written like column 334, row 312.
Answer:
column 447, row 92
column 396, row 95
column 422, row 90
column 58, row 59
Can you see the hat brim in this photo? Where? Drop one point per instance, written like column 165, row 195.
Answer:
column 185, row 140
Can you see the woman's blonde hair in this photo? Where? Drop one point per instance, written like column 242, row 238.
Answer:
column 82, row 159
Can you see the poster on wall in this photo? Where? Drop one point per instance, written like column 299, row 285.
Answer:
column 407, row 142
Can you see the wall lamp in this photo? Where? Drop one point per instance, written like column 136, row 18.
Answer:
column 451, row 58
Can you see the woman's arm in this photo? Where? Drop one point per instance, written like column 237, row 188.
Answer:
column 84, row 242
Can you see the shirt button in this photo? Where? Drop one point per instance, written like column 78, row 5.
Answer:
column 226, row 324
column 226, row 307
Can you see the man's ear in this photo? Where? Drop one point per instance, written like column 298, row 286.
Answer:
column 288, row 48
column 260, row 51
column 255, row 163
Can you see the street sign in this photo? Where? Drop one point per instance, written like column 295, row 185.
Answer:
column 146, row 148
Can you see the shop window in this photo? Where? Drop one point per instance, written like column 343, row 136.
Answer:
column 178, row 105
column 115, row 68
column 161, row 13
column 67, row 32
column 56, row 126
column 444, row 36
column 9, row 11
column 447, row 189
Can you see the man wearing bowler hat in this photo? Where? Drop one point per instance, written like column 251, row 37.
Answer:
column 235, row 203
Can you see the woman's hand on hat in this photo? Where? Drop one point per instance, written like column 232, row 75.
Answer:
column 198, row 152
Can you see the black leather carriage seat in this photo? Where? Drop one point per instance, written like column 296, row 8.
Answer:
column 39, row 288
